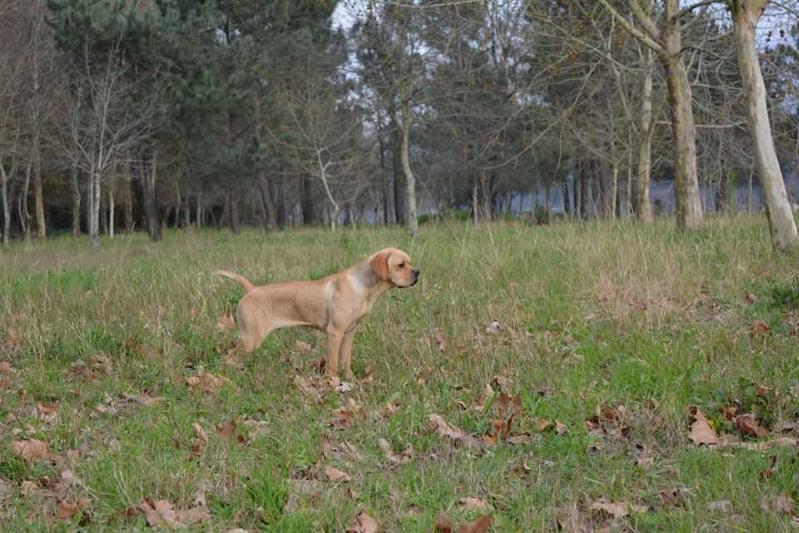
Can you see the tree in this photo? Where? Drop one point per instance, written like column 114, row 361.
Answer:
column 666, row 42
column 745, row 16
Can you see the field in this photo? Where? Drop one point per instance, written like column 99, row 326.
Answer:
column 598, row 340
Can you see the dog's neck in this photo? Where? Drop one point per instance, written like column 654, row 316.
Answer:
column 367, row 277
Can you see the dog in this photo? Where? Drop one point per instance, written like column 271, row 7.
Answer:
column 334, row 304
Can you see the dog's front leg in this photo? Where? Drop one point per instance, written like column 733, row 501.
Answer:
column 346, row 353
column 334, row 338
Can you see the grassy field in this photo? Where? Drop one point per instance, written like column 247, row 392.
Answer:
column 608, row 334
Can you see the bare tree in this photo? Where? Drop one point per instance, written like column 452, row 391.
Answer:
column 745, row 16
column 102, row 125
column 666, row 42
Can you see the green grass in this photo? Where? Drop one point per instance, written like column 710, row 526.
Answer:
column 593, row 314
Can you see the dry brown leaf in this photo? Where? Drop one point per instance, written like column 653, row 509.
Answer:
column 46, row 413
column 363, row 523
column 200, row 433
column 6, row 368
column 781, row 504
column 441, row 340
column 480, row 525
column 226, row 429
column 160, row 513
column 345, row 416
column 759, row 328
column 336, row 475
column 524, row 438
column 616, row 509
column 225, row 323
column 30, row 450
column 440, row 426
column 474, row 503
column 701, row 432
column 560, row 427
column 747, row 424
column 66, row 510
column 205, row 382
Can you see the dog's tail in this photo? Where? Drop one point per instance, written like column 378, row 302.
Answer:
column 236, row 277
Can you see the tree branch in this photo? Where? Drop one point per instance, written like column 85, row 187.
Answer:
column 632, row 30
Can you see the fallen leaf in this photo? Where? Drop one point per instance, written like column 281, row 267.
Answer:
column 474, row 503
column 226, row 429
column 363, row 523
column 46, row 413
column 747, row 425
column 480, row 525
column 30, row 450
column 560, row 427
column 701, row 432
column 750, row 298
column 205, row 382
column 66, row 510
column 781, row 504
column 225, row 323
column 160, row 513
column 336, row 475
column 345, row 416
column 616, row 509
column 440, row 426
column 200, row 433
column 759, row 328
column 524, row 438
column 441, row 340
column 6, row 368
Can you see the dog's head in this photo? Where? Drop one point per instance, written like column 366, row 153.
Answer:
column 394, row 265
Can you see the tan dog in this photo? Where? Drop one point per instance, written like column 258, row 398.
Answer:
column 334, row 304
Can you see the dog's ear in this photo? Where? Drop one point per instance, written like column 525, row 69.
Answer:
column 379, row 265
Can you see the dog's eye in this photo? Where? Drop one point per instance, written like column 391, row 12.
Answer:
column 401, row 265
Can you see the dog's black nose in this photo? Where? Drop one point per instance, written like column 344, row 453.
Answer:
column 415, row 272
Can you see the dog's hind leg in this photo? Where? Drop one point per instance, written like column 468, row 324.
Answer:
column 253, row 327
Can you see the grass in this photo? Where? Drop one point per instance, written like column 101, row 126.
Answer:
column 592, row 315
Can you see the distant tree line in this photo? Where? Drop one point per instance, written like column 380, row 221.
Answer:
column 118, row 115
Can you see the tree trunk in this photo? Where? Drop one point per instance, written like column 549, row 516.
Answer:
column 410, row 180
column 154, row 224
column 270, row 218
column 24, row 214
column 199, row 211
column 235, row 213
column 75, row 201
column 399, row 196
column 306, row 199
column 686, row 181
column 128, row 198
column 111, row 206
column 782, row 224
column 94, row 208
column 6, row 207
column 41, row 226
